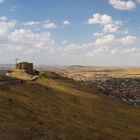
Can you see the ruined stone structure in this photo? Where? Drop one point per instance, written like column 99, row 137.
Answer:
column 27, row 67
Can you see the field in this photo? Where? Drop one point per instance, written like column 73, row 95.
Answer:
column 88, row 73
column 56, row 108
column 116, row 82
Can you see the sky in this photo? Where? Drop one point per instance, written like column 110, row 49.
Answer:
column 70, row 32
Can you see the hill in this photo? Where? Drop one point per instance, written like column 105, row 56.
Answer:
column 56, row 108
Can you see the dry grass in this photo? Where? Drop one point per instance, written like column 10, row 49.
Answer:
column 55, row 108
column 113, row 72
column 20, row 74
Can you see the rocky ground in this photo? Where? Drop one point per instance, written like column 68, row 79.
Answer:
column 123, row 87
column 127, row 89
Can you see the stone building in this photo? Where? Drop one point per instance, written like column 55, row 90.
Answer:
column 27, row 67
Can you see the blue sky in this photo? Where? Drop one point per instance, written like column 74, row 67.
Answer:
column 68, row 32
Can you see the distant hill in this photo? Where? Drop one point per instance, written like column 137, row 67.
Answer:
column 7, row 65
column 82, row 67
column 103, row 67
column 76, row 66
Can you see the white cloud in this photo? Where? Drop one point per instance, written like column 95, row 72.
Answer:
column 122, row 4
column 66, row 22
column 6, row 26
column 114, row 51
column 3, row 18
column 97, row 34
column 111, row 45
column 111, row 40
column 128, row 40
column 40, row 46
column 100, row 19
column 27, row 39
column 40, row 24
column 73, row 48
column 23, row 40
column 31, row 23
column 125, row 32
column 64, row 42
column 106, row 41
column 49, row 25
column 106, row 21
column 97, row 51
column 129, row 50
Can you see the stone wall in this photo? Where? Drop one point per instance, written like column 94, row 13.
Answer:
column 28, row 67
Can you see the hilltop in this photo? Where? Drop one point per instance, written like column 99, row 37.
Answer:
column 56, row 108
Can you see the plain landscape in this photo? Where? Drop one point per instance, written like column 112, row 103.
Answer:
column 56, row 107
column 69, row 69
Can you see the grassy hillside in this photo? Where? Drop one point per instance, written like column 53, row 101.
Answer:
column 54, row 108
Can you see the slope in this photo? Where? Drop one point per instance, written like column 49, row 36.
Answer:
column 54, row 108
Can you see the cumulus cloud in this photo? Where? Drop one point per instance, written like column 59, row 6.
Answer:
column 111, row 40
column 114, row 51
column 106, row 21
column 95, row 52
column 106, row 41
column 22, row 41
column 6, row 26
column 128, row 40
column 122, row 4
column 31, row 23
column 97, row 34
column 129, row 50
column 26, row 40
column 66, row 22
column 49, row 25
column 112, row 45
column 40, row 24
